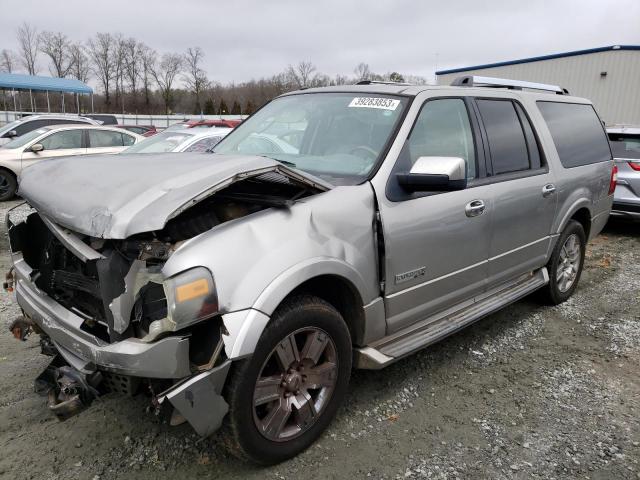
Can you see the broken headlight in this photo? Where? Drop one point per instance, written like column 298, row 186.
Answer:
column 191, row 297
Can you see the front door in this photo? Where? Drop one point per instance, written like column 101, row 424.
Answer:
column 57, row 144
column 436, row 244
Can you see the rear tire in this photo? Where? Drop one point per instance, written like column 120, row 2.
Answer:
column 565, row 265
column 283, row 397
column 8, row 185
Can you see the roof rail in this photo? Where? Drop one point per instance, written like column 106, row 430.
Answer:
column 476, row 81
column 383, row 82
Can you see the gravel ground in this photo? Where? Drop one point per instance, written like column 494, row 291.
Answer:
column 530, row 392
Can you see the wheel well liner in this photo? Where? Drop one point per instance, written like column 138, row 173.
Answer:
column 340, row 293
column 583, row 217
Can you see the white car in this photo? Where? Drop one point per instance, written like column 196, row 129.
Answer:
column 184, row 140
column 57, row 141
column 17, row 128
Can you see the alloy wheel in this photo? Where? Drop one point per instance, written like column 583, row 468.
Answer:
column 568, row 263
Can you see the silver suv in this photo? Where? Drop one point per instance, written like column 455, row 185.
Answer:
column 336, row 228
column 625, row 144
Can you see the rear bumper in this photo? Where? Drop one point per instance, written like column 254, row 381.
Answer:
column 626, row 209
column 166, row 358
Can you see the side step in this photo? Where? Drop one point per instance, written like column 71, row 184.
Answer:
column 415, row 337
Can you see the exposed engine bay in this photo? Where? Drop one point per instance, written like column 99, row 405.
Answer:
column 117, row 288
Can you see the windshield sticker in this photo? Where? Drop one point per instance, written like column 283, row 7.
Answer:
column 372, row 102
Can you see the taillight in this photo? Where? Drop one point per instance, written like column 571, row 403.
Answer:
column 635, row 165
column 614, row 179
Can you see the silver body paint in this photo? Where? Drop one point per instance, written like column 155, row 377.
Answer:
column 436, row 258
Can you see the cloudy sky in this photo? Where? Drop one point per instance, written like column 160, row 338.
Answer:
column 246, row 39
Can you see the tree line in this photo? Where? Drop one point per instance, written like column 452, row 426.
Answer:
column 134, row 78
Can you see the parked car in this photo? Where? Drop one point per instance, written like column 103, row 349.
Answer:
column 237, row 288
column 104, row 119
column 56, row 141
column 144, row 130
column 184, row 140
column 32, row 122
column 204, row 124
column 213, row 123
column 625, row 144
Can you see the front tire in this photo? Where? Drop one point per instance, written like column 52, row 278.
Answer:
column 283, row 397
column 565, row 265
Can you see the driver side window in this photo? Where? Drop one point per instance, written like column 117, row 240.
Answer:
column 442, row 129
column 63, row 140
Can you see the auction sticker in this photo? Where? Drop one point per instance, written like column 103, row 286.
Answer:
column 375, row 102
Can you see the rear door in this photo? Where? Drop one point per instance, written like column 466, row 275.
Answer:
column 57, row 144
column 108, row 141
column 522, row 189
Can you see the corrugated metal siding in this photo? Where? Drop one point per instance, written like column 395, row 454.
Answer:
column 616, row 96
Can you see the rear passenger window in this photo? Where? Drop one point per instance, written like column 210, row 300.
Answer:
column 507, row 142
column 105, row 138
column 577, row 133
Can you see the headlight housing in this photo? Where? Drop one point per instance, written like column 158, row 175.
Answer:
column 191, row 297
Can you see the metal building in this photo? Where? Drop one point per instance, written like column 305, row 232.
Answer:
column 608, row 76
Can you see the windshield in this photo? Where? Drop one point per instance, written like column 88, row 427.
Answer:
column 625, row 146
column 24, row 139
column 336, row 136
column 176, row 126
column 159, row 143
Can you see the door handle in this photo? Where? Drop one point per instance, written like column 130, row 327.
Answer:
column 548, row 189
column 474, row 208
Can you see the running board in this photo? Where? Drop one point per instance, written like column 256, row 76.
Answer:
column 411, row 339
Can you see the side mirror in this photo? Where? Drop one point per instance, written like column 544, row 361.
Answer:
column 11, row 134
column 37, row 147
column 435, row 174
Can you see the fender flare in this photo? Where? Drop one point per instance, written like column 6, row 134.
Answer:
column 575, row 206
column 245, row 327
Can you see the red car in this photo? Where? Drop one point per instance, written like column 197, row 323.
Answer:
column 212, row 123
column 144, row 130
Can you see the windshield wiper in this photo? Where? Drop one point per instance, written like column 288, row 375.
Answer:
column 284, row 162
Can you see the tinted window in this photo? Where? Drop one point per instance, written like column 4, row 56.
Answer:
column 625, row 145
column 105, row 138
column 577, row 133
column 443, row 130
column 535, row 158
column 63, row 140
column 507, row 143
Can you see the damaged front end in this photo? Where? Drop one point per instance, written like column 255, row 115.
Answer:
column 112, row 320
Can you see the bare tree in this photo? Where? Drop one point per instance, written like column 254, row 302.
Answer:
column 165, row 73
column 302, row 74
column 7, row 61
column 80, row 67
column 195, row 78
column 362, row 71
column 29, row 44
column 100, row 53
column 56, row 46
column 132, row 66
column 118, row 61
column 147, row 62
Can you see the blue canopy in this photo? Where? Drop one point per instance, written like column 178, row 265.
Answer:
column 12, row 81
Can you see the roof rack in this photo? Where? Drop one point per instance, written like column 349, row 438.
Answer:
column 476, row 81
column 383, row 82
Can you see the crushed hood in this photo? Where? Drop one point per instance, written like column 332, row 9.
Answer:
column 116, row 196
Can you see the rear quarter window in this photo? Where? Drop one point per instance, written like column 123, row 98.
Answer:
column 577, row 133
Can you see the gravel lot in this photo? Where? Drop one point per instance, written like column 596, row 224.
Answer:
column 530, row 392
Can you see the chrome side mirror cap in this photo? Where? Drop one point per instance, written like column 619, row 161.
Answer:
column 435, row 174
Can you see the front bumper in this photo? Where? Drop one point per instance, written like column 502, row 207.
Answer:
column 167, row 358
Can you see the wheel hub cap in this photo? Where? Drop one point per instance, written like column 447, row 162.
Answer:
column 295, row 384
